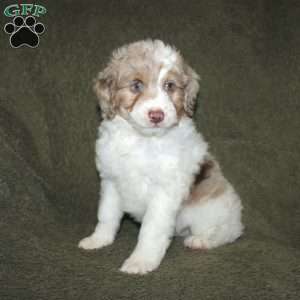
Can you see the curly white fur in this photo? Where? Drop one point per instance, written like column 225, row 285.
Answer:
column 148, row 171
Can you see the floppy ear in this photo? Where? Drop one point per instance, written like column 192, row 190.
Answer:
column 191, row 90
column 103, row 86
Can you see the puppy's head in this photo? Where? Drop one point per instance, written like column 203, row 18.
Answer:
column 148, row 84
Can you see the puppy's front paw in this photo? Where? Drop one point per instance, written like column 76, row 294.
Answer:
column 94, row 242
column 138, row 265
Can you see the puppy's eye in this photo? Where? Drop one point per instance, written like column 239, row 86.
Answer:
column 169, row 86
column 136, row 86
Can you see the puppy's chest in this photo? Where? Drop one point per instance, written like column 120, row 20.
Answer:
column 138, row 160
column 139, row 167
column 142, row 167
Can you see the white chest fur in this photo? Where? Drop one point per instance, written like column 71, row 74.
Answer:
column 140, row 166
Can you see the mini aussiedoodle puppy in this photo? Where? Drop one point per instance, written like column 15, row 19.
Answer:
column 153, row 163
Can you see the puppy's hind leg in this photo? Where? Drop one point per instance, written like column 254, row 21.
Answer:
column 213, row 212
column 213, row 223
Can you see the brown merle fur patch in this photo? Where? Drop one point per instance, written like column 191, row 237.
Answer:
column 208, row 183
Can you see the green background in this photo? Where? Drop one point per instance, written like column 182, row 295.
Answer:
column 247, row 53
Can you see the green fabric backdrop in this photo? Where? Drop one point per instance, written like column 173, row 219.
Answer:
column 247, row 53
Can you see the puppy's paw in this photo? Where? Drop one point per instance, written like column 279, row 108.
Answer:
column 196, row 242
column 138, row 265
column 95, row 242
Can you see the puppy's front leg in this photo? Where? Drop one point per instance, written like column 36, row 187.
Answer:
column 109, row 216
column 154, row 237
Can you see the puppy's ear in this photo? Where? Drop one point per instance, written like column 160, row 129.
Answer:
column 191, row 90
column 103, row 87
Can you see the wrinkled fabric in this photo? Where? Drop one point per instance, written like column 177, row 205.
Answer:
column 248, row 109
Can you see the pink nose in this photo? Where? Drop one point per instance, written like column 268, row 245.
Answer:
column 156, row 116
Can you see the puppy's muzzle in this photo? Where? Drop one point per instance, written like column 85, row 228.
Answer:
column 156, row 116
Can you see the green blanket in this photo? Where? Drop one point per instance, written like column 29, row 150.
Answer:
column 248, row 110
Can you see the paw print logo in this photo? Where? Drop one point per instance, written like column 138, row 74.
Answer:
column 24, row 32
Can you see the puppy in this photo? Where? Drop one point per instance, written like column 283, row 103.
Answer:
column 153, row 163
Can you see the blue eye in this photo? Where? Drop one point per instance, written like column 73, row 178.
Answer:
column 136, row 86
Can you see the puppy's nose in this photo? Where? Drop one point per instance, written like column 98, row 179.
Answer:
column 156, row 116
